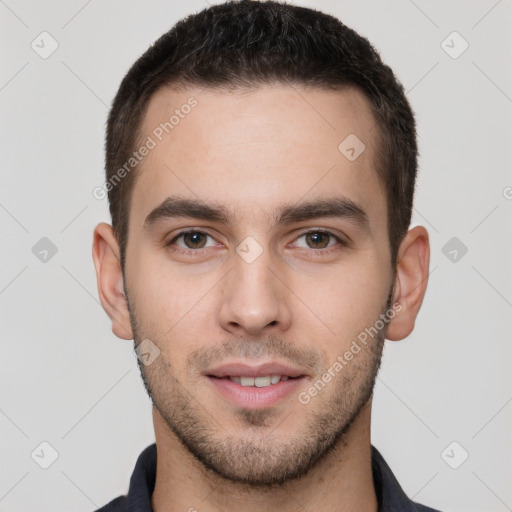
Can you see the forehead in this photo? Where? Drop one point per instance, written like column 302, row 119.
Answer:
column 256, row 148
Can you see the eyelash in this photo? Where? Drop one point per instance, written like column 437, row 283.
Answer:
column 195, row 252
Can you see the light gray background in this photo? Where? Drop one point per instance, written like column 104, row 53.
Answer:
column 67, row 380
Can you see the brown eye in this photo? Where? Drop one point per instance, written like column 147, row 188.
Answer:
column 191, row 241
column 194, row 239
column 317, row 239
column 320, row 240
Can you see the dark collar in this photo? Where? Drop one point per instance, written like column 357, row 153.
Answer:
column 390, row 495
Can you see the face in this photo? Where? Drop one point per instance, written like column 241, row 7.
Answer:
column 235, row 273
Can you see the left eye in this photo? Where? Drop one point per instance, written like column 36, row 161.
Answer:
column 320, row 238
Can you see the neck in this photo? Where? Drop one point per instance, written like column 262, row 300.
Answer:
column 340, row 482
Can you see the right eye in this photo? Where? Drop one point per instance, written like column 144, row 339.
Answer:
column 193, row 239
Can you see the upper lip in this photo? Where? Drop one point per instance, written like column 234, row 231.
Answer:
column 243, row 370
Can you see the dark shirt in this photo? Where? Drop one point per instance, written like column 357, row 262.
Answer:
column 390, row 496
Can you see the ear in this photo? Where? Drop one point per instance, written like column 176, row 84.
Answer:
column 410, row 282
column 109, row 278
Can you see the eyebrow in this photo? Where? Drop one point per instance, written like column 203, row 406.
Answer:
column 335, row 207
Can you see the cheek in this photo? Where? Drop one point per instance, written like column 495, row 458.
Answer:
column 168, row 301
column 346, row 300
column 156, row 289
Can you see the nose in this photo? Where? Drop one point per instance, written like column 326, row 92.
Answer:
column 254, row 298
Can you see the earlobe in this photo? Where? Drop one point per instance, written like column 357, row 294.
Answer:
column 410, row 282
column 109, row 278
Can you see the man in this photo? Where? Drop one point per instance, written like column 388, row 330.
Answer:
column 261, row 162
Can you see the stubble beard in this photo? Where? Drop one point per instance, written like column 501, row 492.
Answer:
column 252, row 457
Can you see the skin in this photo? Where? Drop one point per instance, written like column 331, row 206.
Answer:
column 253, row 151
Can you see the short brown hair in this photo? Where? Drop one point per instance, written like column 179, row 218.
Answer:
column 250, row 43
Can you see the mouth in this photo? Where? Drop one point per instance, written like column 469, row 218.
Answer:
column 258, row 382
column 255, row 387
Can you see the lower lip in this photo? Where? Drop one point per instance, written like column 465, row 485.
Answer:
column 251, row 397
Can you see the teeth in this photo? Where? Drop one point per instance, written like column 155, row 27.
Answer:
column 247, row 381
column 259, row 382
